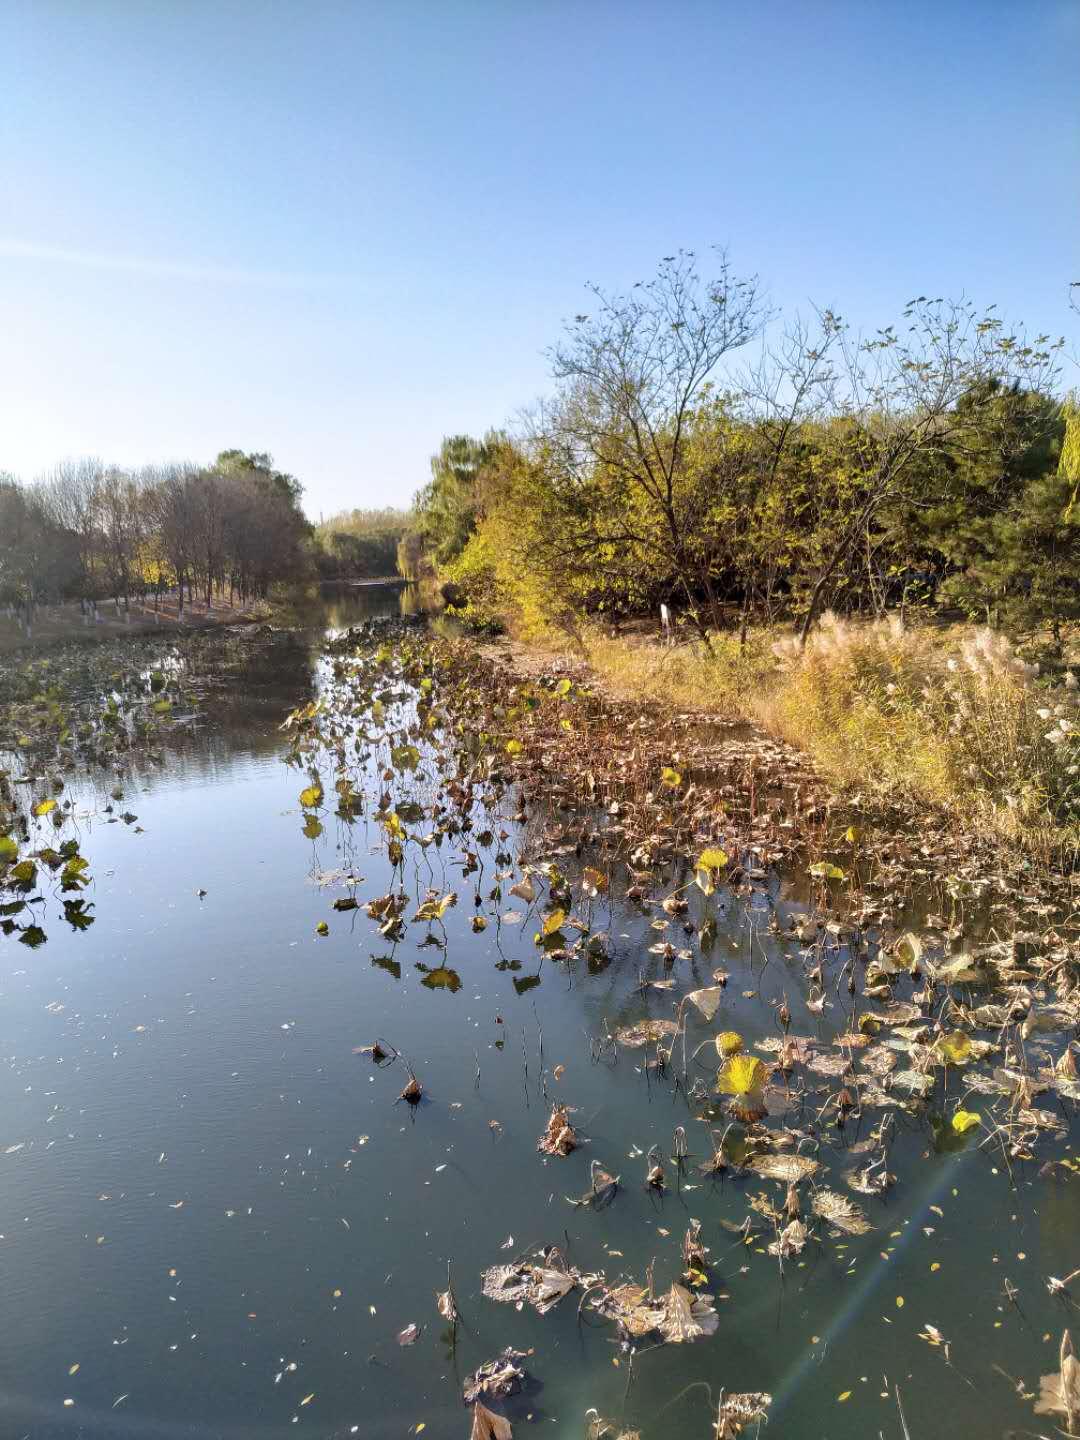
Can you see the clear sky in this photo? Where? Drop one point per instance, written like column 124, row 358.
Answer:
column 339, row 231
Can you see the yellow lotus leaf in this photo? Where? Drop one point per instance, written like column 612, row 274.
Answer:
column 965, row 1120
column 729, row 1042
column 955, row 1047
column 554, row 922
column 742, row 1075
column 514, row 747
column 709, row 864
column 669, row 778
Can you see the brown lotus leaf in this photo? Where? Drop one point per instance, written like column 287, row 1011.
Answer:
column 486, row 1425
column 646, row 1032
column 840, row 1212
column 559, row 1138
column 788, row 1169
column 738, row 1411
column 498, row 1377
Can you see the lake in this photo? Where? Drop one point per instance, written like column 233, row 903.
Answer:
column 216, row 1219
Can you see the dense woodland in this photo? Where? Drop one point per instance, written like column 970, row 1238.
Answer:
column 698, row 453
column 231, row 530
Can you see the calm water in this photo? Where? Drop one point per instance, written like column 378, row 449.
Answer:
column 216, row 1209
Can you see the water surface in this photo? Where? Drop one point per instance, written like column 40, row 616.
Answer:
column 216, row 1210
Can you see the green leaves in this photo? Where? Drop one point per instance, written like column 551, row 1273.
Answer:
column 9, row 849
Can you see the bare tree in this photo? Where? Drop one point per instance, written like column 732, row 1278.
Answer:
column 630, row 375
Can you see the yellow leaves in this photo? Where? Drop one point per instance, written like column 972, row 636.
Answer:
column 553, row 922
column 312, row 796
column 907, row 951
column 44, row 806
column 707, row 869
column 728, row 1042
column 899, row 1302
column 514, row 747
column 954, row 1047
column 825, row 870
column 434, row 908
column 712, row 859
column 965, row 1120
column 843, row 1397
column 593, row 882
column 670, row 779
column 742, row 1075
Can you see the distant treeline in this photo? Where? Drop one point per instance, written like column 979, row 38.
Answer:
column 696, row 454
column 89, row 531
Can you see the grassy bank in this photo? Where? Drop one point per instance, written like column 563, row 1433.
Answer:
column 918, row 718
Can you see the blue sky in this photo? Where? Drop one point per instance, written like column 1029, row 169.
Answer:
column 340, row 231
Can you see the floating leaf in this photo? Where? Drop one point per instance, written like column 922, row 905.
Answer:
column 669, row 778
column 486, row 1425
column 707, row 1000
column 965, row 1120
column 646, row 1032
column 559, row 1138
column 908, row 951
column 742, row 1075
column 954, row 1047
column 553, row 922
column 44, row 806
column 788, row 1169
column 826, row 870
column 514, row 747
column 593, row 882
column 728, row 1042
column 311, row 797
column 840, row 1212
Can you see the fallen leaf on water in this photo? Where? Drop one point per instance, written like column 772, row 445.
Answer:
column 486, row 1425
column 559, row 1137
column 409, row 1335
column 498, row 1377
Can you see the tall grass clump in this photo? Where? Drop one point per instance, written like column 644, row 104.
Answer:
column 917, row 717
column 722, row 680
